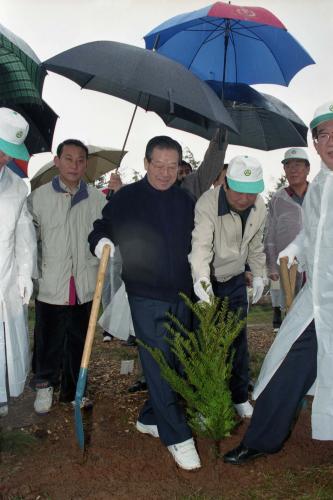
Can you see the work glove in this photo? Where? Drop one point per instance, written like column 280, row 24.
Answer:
column 203, row 290
column 291, row 251
column 101, row 244
column 25, row 288
column 258, row 288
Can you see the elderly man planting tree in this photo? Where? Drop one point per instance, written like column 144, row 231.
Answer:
column 17, row 260
column 301, row 356
column 151, row 221
column 229, row 223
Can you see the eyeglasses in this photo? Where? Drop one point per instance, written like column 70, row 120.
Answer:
column 323, row 137
column 160, row 165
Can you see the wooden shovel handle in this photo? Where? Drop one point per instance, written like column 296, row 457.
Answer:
column 95, row 306
column 284, row 273
column 292, row 279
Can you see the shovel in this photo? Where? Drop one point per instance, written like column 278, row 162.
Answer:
column 288, row 279
column 82, row 379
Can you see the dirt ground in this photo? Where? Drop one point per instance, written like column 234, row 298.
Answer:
column 120, row 463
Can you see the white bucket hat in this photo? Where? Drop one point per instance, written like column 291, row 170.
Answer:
column 13, row 132
column 244, row 175
column 295, row 154
column 322, row 114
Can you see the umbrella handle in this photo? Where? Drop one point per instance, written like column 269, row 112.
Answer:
column 95, row 307
column 110, row 193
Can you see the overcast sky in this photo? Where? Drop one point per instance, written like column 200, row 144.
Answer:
column 51, row 26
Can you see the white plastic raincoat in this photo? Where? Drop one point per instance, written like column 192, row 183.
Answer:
column 315, row 300
column 17, row 256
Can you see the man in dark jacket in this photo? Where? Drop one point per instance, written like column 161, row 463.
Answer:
column 151, row 221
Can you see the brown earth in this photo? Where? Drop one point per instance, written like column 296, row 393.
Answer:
column 120, row 463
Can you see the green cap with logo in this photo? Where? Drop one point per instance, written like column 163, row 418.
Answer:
column 13, row 132
column 322, row 114
column 244, row 175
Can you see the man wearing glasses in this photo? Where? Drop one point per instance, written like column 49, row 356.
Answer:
column 285, row 219
column 301, row 358
column 152, row 220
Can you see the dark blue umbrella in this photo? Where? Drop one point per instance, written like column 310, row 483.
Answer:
column 263, row 121
column 229, row 43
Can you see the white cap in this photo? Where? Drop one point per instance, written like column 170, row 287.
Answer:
column 244, row 175
column 322, row 114
column 295, row 154
column 13, row 132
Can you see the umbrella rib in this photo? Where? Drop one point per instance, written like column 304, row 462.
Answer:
column 203, row 43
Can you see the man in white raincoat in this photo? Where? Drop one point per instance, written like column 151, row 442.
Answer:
column 302, row 354
column 17, row 260
column 285, row 219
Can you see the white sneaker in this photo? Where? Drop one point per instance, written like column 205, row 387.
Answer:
column 3, row 411
column 43, row 401
column 244, row 410
column 147, row 429
column 185, row 455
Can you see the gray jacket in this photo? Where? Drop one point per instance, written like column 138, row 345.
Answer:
column 63, row 223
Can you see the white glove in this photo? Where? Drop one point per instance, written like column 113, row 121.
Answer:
column 203, row 290
column 258, row 288
column 291, row 252
column 101, row 244
column 25, row 288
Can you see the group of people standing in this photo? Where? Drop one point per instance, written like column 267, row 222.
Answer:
column 168, row 243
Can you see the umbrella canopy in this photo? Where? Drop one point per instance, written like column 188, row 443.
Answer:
column 141, row 77
column 100, row 161
column 263, row 121
column 21, row 74
column 230, row 43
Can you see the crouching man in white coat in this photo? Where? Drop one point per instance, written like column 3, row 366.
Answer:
column 302, row 355
column 17, row 260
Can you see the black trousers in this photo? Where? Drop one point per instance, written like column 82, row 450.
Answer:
column 278, row 404
column 60, row 333
column 235, row 290
column 162, row 407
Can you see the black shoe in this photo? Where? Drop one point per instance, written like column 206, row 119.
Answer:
column 138, row 386
column 241, row 455
column 131, row 341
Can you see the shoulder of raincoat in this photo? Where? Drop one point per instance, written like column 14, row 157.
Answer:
column 284, row 222
column 62, row 232
column 315, row 241
column 17, row 256
column 201, row 179
column 218, row 246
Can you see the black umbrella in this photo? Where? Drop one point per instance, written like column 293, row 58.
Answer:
column 263, row 121
column 145, row 78
column 21, row 74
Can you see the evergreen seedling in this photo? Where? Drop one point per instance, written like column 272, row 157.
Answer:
column 206, row 359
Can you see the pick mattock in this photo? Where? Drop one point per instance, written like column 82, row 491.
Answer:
column 82, row 380
column 288, row 279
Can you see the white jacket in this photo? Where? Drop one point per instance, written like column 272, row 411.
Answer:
column 17, row 256
column 313, row 301
column 218, row 246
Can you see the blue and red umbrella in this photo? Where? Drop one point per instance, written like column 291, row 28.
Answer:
column 230, row 43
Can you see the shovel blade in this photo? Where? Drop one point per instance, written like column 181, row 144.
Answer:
column 80, row 388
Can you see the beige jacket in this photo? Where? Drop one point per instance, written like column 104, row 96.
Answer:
column 218, row 248
column 62, row 237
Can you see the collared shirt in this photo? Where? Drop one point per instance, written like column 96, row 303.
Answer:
column 297, row 199
column 224, row 208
